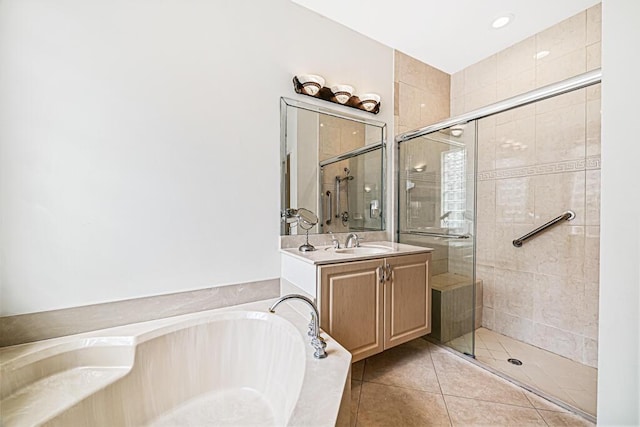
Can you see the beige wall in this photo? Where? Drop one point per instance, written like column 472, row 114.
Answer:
column 422, row 93
column 534, row 163
column 422, row 97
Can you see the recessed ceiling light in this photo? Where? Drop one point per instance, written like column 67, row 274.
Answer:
column 541, row 54
column 502, row 21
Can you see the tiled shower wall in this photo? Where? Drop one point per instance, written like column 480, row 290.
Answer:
column 338, row 136
column 534, row 163
column 422, row 97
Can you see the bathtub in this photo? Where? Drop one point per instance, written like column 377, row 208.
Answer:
column 234, row 366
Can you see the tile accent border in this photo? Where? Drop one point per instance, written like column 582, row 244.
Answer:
column 24, row 328
column 588, row 163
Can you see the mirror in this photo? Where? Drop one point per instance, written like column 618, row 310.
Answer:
column 332, row 164
column 306, row 219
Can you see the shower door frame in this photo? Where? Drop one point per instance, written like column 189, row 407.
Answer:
column 580, row 81
column 577, row 82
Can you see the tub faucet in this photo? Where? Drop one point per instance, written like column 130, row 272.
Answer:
column 351, row 238
column 317, row 342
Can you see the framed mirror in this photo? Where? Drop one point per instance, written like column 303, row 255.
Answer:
column 332, row 164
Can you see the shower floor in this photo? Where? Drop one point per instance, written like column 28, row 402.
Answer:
column 557, row 376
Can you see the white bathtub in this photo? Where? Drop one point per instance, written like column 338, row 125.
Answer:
column 234, row 366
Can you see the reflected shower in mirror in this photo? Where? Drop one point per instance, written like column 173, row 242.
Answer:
column 334, row 164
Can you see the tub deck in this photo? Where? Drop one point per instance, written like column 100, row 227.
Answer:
column 99, row 377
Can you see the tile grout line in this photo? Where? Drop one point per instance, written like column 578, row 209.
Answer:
column 355, row 422
column 493, row 401
column 440, row 386
column 537, row 410
column 402, row 387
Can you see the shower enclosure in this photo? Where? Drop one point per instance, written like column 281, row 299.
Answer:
column 470, row 187
column 437, row 209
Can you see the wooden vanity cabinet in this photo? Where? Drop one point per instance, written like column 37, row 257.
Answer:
column 370, row 306
column 407, row 299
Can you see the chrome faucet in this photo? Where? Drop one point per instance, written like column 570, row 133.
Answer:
column 351, row 238
column 335, row 242
column 317, row 342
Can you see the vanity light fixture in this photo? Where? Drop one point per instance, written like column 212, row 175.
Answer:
column 420, row 167
column 313, row 85
column 502, row 21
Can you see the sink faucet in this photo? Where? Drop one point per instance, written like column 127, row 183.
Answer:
column 351, row 238
column 335, row 242
column 317, row 342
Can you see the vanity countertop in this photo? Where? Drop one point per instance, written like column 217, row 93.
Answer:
column 329, row 255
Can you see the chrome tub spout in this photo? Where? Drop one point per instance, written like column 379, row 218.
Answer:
column 317, row 342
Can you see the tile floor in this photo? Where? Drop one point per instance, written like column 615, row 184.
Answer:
column 564, row 379
column 421, row 384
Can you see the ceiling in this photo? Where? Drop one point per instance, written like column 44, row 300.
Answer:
column 447, row 34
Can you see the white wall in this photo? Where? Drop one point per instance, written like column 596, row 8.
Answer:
column 139, row 141
column 619, row 335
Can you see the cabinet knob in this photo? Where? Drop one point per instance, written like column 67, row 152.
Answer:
column 388, row 272
column 381, row 274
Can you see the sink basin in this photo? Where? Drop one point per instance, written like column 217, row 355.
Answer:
column 364, row 250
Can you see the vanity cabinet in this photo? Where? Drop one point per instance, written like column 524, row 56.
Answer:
column 351, row 305
column 370, row 306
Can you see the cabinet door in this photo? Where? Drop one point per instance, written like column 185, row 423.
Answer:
column 351, row 306
column 407, row 299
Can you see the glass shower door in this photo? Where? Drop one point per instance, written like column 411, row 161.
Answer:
column 437, row 209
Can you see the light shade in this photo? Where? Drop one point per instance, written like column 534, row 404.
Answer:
column 311, row 83
column 342, row 93
column 369, row 101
